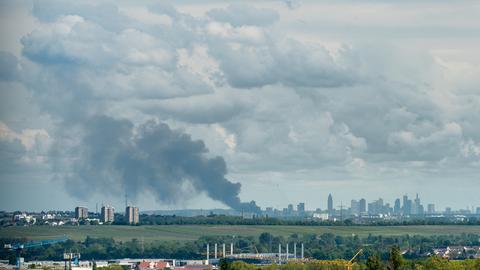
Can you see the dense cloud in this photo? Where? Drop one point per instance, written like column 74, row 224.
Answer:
column 276, row 61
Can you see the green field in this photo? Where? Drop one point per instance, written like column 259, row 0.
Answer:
column 193, row 232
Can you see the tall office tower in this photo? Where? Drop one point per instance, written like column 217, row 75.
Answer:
column 376, row 207
column 372, row 208
column 405, row 205
column 354, row 207
column 290, row 209
column 409, row 207
column 362, row 205
column 421, row 210
column 301, row 208
column 396, row 207
column 107, row 214
column 380, row 203
column 416, row 206
column 431, row 208
column 330, row 205
column 477, row 211
column 448, row 210
column 81, row 212
column 132, row 214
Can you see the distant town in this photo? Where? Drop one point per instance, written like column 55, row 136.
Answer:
column 358, row 212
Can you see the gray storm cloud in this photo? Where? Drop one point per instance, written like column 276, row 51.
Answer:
column 153, row 158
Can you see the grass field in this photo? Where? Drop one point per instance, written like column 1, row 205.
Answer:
column 193, row 232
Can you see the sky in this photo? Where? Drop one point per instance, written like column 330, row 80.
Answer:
column 204, row 104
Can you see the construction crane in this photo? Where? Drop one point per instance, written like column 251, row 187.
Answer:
column 19, row 247
column 350, row 263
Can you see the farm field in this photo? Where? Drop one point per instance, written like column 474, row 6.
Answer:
column 193, row 232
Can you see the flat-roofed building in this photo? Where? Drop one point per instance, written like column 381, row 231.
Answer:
column 81, row 212
column 107, row 214
column 132, row 214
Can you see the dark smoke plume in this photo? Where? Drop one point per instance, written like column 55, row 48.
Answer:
column 152, row 158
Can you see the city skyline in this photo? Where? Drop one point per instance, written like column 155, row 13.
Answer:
column 396, row 206
column 214, row 105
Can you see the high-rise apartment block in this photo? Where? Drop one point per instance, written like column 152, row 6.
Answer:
column 132, row 215
column 107, row 214
column 81, row 212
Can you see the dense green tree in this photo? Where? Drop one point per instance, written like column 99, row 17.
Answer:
column 374, row 263
column 224, row 264
column 395, row 261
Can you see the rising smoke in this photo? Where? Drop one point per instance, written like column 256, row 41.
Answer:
column 152, row 157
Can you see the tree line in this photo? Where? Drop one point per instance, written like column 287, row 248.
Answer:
column 213, row 219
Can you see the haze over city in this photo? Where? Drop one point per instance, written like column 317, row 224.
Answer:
column 213, row 105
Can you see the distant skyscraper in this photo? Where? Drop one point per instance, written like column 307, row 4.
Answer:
column 363, row 205
column 290, row 209
column 478, row 211
column 81, row 212
column 132, row 214
column 376, row 207
column 301, row 208
column 407, row 206
column 417, row 207
column 330, row 205
column 431, row 208
column 397, row 207
column 107, row 214
column 354, row 207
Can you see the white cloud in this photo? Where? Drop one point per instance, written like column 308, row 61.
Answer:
column 31, row 139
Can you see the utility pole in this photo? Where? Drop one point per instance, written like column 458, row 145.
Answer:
column 302, row 251
column 286, row 256
column 295, row 250
column 279, row 254
column 208, row 254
